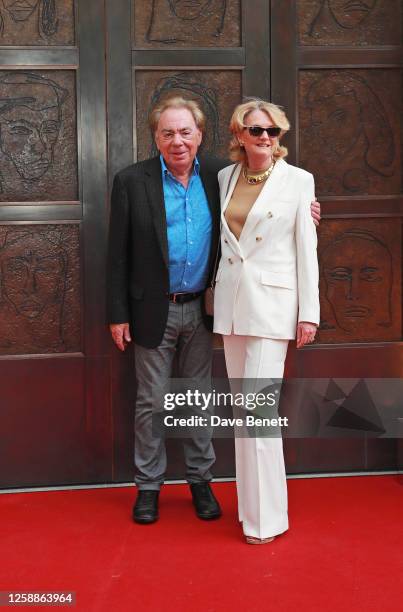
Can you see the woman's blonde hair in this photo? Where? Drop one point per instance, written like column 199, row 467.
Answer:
column 177, row 102
column 237, row 124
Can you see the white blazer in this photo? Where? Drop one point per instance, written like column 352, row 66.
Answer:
column 268, row 280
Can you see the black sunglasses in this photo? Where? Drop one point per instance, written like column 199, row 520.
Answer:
column 257, row 130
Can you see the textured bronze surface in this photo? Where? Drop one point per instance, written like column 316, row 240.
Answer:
column 39, row 289
column 187, row 23
column 360, row 280
column 38, row 137
column 36, row 22
column 218, row 92
column 350, row 130
column 349, row 22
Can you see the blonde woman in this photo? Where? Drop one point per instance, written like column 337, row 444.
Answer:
column 266, row 291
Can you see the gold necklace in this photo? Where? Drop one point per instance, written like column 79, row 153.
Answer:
column 255, row 179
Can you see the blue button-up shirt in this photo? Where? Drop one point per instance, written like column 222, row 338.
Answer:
column 189, row 231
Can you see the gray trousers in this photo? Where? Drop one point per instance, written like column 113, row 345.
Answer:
column 187, row 338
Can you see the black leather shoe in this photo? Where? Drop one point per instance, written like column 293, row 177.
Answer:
column 204, row 501
column 145, row 509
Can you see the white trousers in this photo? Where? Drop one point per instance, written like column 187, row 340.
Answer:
column 260, row 470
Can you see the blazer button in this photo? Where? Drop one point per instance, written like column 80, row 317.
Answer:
column 270, row 214
column 226, row 241
column 258, row 238
column 230, row 260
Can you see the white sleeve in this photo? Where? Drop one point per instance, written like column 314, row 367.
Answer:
column 307, row 260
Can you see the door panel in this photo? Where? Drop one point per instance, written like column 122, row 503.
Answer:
column 160, row 23
column 217, row 91
column 343, row 95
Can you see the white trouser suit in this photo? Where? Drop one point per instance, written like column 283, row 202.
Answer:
column 266, row 282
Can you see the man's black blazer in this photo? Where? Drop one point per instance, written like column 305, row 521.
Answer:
column 138, row 275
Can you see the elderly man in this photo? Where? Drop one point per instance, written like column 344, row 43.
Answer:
column 163, row 240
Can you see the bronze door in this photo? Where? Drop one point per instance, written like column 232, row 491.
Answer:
column 54, row 368
column 215, row 51
column 76, row 85
column 343, row 92
column 220, row 50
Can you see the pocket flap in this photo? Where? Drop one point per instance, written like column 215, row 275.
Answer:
column 276, row 279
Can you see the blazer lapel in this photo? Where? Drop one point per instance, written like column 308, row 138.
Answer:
column 265, row 198
column 229, row 187
column 228, row 190
column 155, row 192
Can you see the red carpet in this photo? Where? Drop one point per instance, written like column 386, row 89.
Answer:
column 343, row 551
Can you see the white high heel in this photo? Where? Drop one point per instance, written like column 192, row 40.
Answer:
column 252, row 540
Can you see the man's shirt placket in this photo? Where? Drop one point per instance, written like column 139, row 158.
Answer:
column 188, row 271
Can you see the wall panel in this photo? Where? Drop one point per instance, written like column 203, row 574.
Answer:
column 350, row 130
column 40, row 302
column 360, row 281
column 337, row 22
column 217, row 92
column 205, row 23
column 37, row 22
column 38, row 139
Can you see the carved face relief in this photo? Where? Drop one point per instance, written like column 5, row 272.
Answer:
column 20, row 10
column 32, row 276
column 337, row 122
column 30, row 122
column 189, row 9
column 28, row 139
column 351, row 13
column 358, row 277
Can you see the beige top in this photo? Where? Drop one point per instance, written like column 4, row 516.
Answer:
column 243, row 198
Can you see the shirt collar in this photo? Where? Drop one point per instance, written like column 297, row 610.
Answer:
column 166, row 172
